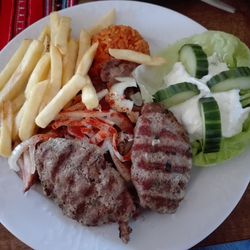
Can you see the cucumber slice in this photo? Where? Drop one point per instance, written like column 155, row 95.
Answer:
column 237, row 78
column 211, row 124
column 176, row 94
column 194, row 60
column 245, row 98
column 245, row 103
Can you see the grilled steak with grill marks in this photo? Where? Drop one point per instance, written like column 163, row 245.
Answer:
column 76, row 176
column 161, row 159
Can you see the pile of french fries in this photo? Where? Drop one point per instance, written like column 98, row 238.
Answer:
column 45, row 74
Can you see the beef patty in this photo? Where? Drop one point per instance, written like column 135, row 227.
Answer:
column 161, row 159
column 116, row 68
column 76, row 176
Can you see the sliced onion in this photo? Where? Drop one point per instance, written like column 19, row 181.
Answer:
column 21, row 148
column 102, row 93
column 116, row 97
column 121, row 168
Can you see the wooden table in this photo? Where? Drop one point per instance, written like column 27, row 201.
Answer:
column 237, row 225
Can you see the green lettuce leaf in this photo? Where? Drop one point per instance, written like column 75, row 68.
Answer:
column 230, row 50
column 230, row 148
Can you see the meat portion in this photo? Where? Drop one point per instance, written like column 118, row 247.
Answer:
column 88, row 189
column 161, row 159
column 116, row 68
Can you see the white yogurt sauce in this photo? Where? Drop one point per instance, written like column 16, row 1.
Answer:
column 188, row 113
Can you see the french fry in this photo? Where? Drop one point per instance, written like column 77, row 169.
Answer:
column 44, row 33
column 62, row 34
column 56, row 67
column 104, row 22
column 87, row 60
column 137, row 57
column 55, row 76
column 66, row 93
column 18, row 102
column 84, row 44
column 31, row 109
column 18, row 80
column 89, row 96
column 6, row 129
column 16, row 124
column 54, row 23
column 69, row 61
column 13, row 63
column 39, row 73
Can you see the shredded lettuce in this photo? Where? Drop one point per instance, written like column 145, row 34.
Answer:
column 230, row 50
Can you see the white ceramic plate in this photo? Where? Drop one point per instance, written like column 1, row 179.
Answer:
column 212, row 193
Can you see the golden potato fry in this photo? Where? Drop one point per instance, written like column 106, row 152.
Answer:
column 31, row 109
column 44, row 33
column 66, row 93
column 87, row 60
column 56, row 67
column 19, row 79
column 137, row 57
column 84, row 44
column 55, row 76
column 39, row 73
column 46, row 44
column 13, row 63
column 54, row 23
column 104, row 22
column 69, row 61
column 62, row 34
column 18, row 102
column 16, row 124
column 6, row 129
column 89, row 96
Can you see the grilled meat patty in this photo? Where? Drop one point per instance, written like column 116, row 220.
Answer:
column 87, row 188
column 116, row 68
column 161, row 159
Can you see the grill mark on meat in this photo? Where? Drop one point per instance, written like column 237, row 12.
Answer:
column 155, row 140
column 62, row 157
column 86, row 187
column 167, row 149
column 169, row 190
column 161, row 166
column 161, row 159
column 145, row 130
column 159, row 176
column 162, row 204
column 149, row 119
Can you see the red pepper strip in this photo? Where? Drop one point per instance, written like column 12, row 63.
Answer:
column 106, row 130
column 60, row 123
column 99, row 137
column 80, row 114
column 80, row 132
column 76, row 132
column 119, row 119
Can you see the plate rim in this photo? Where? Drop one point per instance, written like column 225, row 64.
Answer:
column 236, row 201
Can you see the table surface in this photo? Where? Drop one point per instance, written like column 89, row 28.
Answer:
column 237, row 225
